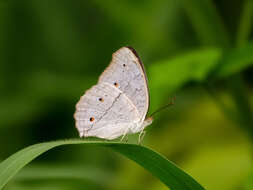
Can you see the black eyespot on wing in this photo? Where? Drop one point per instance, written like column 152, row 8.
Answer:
column 92, row 119
column 101, row 99
column 116, row 84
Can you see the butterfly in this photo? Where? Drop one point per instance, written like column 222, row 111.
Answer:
column 117, row 105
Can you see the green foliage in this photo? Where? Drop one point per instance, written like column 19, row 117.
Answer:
column 159, row 166
column 207, row 22
column 235, row 61
column 197, row 66
column 192, row 66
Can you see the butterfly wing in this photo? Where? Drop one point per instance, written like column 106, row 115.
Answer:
column 104, row 111
column 127, row 73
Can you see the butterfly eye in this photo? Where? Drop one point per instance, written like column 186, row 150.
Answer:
column 92, row 119
column 116, row 84
column 124, row 65
column 101, row 99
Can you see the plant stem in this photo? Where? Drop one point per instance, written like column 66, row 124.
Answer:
column 245, row 23
column 206, row 22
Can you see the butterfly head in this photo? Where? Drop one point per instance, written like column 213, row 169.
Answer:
column 148, row 121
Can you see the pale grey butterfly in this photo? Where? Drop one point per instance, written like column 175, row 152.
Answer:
column 117, row 105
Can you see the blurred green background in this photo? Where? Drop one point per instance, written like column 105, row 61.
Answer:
column 197, row 50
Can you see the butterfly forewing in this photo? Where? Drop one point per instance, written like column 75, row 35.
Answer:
column 127, row 74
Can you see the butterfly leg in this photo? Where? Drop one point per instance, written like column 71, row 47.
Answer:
column 126, row 138
column 123, row 137
column 141, row 136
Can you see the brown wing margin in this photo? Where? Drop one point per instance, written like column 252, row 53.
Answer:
column 143, row 69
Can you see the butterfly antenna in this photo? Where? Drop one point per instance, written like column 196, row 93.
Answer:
column 164, row 107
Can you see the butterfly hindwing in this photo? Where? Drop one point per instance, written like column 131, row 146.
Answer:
column 104, row 111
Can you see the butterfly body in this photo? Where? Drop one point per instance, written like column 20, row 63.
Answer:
column 118, row 104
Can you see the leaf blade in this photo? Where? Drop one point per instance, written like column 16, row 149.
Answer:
column 207, row 22
column 235, row 60
column 159, row 166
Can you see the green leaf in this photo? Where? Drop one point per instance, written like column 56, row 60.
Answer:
column 245, row 23
column 62, row 176
column 207, row 22
column 159, row 166
column 63, row 171
column 194, row 65
column 235, row 60
column 169, row 75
